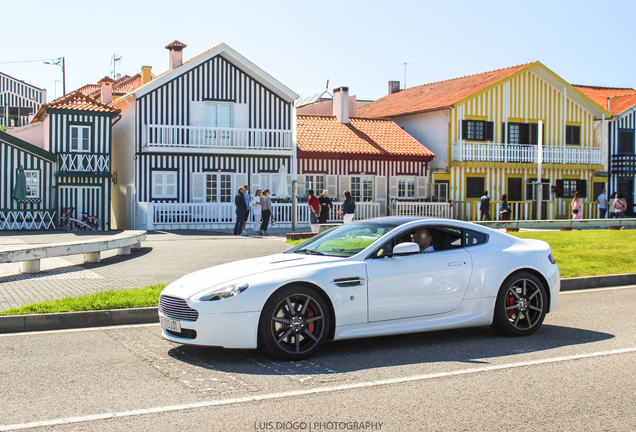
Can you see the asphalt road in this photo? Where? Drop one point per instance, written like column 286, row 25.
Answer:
column 576, row 373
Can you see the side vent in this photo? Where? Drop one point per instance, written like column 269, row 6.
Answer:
column 348, row 281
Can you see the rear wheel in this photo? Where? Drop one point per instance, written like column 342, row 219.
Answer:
column 521, row 305
column 294, row 323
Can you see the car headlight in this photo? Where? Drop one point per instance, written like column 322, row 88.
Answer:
column 223, row 293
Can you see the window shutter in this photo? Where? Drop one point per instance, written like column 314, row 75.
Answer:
column 464, row 129
column 345, row 184
column 380, row 193
column 576, row 135
column 503, row 132
column 581, row 186
column 489, row 131
column 197, row 113
column 240, row 179
column 198, row 187
column 157, row 184
column 534, row 138
column 559, row 185
column 240, row 116
column 421, row 186
column 332, row 185
column 255, row 183
column 525, row 134
column 393, row 187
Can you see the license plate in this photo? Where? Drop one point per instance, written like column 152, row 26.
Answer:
column 170, row 324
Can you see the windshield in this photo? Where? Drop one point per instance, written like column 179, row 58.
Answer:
column 344, row 241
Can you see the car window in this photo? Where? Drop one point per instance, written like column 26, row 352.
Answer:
column 472, row 238
column 444, row 238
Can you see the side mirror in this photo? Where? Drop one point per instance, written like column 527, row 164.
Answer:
column 406, row 248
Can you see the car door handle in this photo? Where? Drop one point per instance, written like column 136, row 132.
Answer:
column 455, row 263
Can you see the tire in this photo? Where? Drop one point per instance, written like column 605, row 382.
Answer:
column 521, row 305
column 294, row 324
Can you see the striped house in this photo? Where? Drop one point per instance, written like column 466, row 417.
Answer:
column 191, row 136
column 18, row 101
column 38, row 210
column 620, row 135
column 484, row 132
column 77, row 130
column 375, row 159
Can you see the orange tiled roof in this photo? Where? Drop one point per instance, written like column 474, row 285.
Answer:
column 620, row 98
column 325, row 134
column 76, row 101
column 121, row 86
column 434, row 96
column 88, row 89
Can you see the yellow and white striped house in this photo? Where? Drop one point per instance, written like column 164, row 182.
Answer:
column 484, row 132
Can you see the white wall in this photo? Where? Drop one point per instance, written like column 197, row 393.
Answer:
column 430, row 129
column 31, row 133
column 123, row 163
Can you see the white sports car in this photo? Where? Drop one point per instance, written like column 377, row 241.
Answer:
column 375, row 277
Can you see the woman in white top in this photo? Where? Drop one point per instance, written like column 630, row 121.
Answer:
column 611, row 209
column 256, row 209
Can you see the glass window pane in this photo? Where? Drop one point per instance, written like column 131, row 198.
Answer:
column 225, row 116
column 210, row 115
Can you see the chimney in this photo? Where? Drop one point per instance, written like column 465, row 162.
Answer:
column 146, row 75
column 394, row 87
column 341, row 104
column 176, row 53
column 106, row 84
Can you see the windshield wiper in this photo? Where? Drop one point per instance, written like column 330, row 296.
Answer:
column 309, row 252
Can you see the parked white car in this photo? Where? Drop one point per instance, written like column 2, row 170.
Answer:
column 369, row 278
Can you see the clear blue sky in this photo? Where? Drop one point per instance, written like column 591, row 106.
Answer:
column 302, row 43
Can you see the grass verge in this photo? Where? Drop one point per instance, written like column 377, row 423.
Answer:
column 121, row 299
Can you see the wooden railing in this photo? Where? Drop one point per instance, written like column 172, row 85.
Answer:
column 524, row 210
column 83, row 162
column 624, row 163
column 520, row 153
column 27, row 219
column 213, row 137
column 423, row 209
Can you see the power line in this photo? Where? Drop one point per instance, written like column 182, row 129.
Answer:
column 26, row 61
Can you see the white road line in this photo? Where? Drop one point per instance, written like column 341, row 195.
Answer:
column 592, row 290
column 77, row 330
column 296, row 393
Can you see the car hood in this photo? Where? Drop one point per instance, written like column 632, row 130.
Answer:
column 216, row 276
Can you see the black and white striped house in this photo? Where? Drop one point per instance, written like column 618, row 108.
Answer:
column 36, row 209
column 77, row 130
column 191, row 136
column 18, row 101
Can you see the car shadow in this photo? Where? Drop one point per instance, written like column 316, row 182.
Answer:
column 473, row 345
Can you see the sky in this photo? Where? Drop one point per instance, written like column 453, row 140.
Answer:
column 302, row 43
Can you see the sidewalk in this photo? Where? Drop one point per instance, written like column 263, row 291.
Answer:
column 164, row 257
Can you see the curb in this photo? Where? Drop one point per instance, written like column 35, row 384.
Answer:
column 149, row 315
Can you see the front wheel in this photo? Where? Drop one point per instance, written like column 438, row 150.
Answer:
column 521, row 305
column 294, row 323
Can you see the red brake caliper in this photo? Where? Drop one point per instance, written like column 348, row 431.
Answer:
column 510, row 300
column 310, row 326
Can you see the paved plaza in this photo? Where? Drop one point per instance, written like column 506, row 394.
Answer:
column 164, row 257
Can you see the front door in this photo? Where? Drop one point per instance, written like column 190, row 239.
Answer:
column 417, row 285
column 626, row 186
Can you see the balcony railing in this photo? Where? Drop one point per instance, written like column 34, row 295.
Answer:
column 520, row 153
column 424, row 209
column 216, row 138
column 83, row 162
column 27, row 219
column 624, row 163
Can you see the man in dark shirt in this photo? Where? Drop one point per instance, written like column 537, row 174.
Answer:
column 484, row 207
column 314, row 210
column 241, row 211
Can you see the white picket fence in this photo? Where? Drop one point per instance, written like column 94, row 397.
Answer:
column 423, row 209
column 27, row 219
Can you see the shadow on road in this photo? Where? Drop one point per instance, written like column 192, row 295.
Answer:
column 464, row 345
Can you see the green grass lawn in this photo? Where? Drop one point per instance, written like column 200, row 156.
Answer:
column 138, row 297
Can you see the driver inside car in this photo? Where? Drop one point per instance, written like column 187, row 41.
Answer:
column 424, row 239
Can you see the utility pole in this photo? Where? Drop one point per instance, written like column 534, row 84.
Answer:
column 405, row 63
column 539, row 185
column 60, row 61
column 294, row 205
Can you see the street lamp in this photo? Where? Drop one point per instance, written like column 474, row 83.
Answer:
column 60, row 61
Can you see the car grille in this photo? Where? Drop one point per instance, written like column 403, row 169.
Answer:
column 177, row 308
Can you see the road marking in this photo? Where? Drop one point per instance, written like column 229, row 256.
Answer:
column 87, row 329
column 306, row 392
column 598, row 289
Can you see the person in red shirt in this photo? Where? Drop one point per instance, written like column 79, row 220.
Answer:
column 314, row 210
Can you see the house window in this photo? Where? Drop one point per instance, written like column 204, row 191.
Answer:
column 32, row 184
column 569, row 188
column 406, row 187
column 573, row 135
column 475, row 187
column 477, row 130
column 14, row 116
column 218, row 188
column 515, row 189
column 164, row 184
column 514, row 133
column 218, row 115
column 438, row 191
column 269, row 181
column 362, row 189
column 317, row 183
column 523, row 133
column 625, row 142
column 530, row 190
column 80, row 138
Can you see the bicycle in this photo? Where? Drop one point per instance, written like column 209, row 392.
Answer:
column 68, row 222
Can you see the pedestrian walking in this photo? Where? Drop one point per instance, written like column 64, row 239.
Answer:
column 248, row 202
column 314, row 211
column 325, row 206
column 504, row 208
column 620, row 205
column 602, row 204
column 266, row 211
column 576, row 207
column 484, row 207
column 241, row 210
column 256, row 209
column 611, row 207
column 348, row 208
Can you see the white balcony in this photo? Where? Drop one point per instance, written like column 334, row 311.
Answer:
column 200, row 137
column 520, row 153
column 83, row 162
